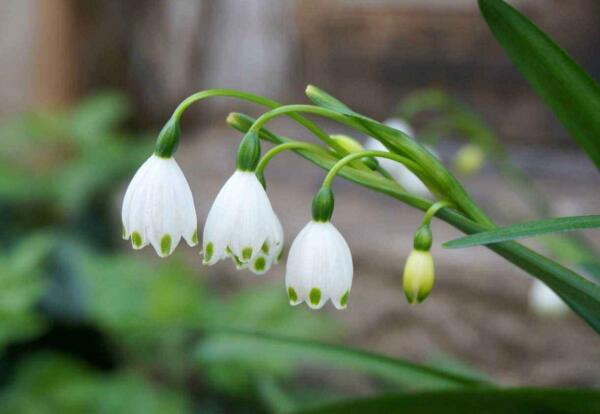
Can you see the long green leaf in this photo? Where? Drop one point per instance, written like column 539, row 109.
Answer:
column 564, row 86
column 484, row 401
column 522, row 230
column 240, row 346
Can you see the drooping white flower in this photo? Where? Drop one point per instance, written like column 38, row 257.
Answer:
column 319, row 267
column 544, row 302
column 242, row 225
column 403, row 175
column 158, row 207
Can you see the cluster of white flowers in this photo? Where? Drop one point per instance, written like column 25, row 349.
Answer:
column 158, row 209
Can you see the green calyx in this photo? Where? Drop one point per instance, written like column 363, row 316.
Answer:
column 248, row 152
column 423, row 238
column 322, row 205
column 168, row 139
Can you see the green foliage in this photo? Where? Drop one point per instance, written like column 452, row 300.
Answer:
column 21, row 288
column 522, row 230
column 228, row 360
column 241, row 347
column 488, row 401
column 52, row 383
column 63, row 160
column 564, row 86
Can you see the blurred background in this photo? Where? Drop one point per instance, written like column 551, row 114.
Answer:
column 89, row 325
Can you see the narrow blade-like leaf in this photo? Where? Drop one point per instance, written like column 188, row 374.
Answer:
column 488, row 401
column 239, row 346
column 522, row 230
column 563, row 85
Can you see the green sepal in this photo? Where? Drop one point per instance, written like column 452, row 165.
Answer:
column 168, row 139
column 261, row 179
column 248, row 152
column 322, row 206
column 423, row 238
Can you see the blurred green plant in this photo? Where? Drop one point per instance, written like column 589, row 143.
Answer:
column 59, row 167
column 53, row 383
column 21, row 288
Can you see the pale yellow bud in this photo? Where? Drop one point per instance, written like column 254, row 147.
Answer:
column 418, row 276
column 348, row 143
column 469, row 159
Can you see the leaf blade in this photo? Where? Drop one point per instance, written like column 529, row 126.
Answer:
column 523, row 230
column 233, row 344
column 563, row 85
column 489, row 401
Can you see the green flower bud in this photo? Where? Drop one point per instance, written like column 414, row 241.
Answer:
column 239, row 121
column 419, row 275
column 168, row 139
column 248, row 152
column 348, row 143
column 322, row 206
column 469, row 159
column 322, row 98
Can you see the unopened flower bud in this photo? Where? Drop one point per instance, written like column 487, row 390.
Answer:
column 469, row 159
column 418, row 276
column 348, row 143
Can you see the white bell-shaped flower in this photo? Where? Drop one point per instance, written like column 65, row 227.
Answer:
column 158, row 207
column 403, row 175
column 319, row 267
column 544, row 302
column 242, row 225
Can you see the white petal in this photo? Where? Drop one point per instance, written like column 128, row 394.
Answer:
column 319, row 264
column 544, row 301
column 133, row 190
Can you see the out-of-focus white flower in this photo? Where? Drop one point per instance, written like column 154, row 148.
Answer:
column 419, row 275
column 242, row 225
column 402, row 174
column 544, row 302
column 158, row 207
column 400, row 125
column 319, row 267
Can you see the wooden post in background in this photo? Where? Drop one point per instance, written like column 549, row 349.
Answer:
column 55, row 60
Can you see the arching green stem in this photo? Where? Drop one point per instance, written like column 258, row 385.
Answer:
column 431, row 211
column 371, row 153
column 293, row 145
column 438, row 178
column 261, row 100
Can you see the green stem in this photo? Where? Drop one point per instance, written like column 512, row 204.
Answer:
column 370, row 153
column 261, row 100
column 293, row 145
column 431, row 211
